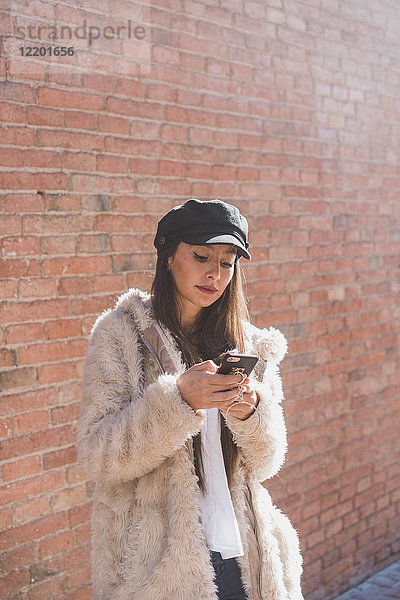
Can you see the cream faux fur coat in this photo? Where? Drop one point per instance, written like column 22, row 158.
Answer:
column 135, row 435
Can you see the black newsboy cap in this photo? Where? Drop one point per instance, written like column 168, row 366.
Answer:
column 203, row 222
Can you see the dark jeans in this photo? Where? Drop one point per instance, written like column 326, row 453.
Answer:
column 227, row 577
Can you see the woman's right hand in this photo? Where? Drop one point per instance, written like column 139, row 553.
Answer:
column 202, row 387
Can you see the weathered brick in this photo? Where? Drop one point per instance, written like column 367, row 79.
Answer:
column 21, row 468
column 37, row 287
column 34, row 421
column 29, row 510
column 13, row 581
column 60, row 457
column 17, row 377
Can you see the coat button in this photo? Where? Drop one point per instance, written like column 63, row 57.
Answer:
column 161, row 240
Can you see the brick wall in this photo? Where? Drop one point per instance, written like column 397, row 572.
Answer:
column 288, row 109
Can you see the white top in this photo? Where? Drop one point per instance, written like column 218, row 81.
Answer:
column 218, row 516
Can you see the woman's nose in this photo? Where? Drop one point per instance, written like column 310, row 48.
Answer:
column 213, row 271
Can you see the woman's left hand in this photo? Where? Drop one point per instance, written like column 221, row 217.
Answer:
column 239, row 409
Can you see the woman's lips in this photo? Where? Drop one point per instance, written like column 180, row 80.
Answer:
column 206, row 290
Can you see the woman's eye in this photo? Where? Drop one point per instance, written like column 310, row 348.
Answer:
column 227, row 265
column 199, row 257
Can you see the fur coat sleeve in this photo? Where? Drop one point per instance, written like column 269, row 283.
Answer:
column 264, row 452
column 126, row 429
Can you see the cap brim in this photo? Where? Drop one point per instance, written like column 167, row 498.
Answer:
column 201, row 239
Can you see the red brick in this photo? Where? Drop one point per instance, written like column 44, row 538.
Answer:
column 62, row 98
column 36, row 288
column 11, row 157
column 23, row 180
column 79, row 160
column 55, row 544
column 76, row 265
column 132, row 146
column 125, row 224
column 111, row 164
column 10, row 224
column 62, row 203
column 131, row 87
column 96, row 81
column 58, row 244
column 79, row 514
column 32, row 531
column 167, row 168
column 124, row 243
column 17, row 378
column 38, row 309
column 68, row 497
column 8, row 289
column 113, row 124
column 26, row 511
column 52, row 351
column 5, row 518
column 7, row 358
column 23, row 556
column 80, row 120
column 42, row 158
column 34, row 421
column 44, row 116
column 5, row 426
column 15, row 268
column 159, row 91
column 57, row 372
column 95, row 304
column 59, row 458
column 65, row 414
column 14, row 581
column 27, row 400
column 108, row 283
column 11, row 113
column 28, row 332
column 173, row 133
column 17, row 92
column 19, row 446
column 69, row 139
column 83, row 534
column 83, row 593
column 50, row 588
column 61, row 329
column 21, row 468
column 22, row 203
column 33, row 486
column 18, row 69
column 135, row 109
column 63, row 75
column 75, row 474
column 79, row 577
column 72, row 286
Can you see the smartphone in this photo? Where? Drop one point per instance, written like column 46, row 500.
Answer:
column 232, row 363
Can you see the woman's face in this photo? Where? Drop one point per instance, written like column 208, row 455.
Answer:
column 201, row 274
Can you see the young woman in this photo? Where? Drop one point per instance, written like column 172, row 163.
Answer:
column 178, row 451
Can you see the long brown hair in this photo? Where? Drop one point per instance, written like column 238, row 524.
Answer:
column 217, row 329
